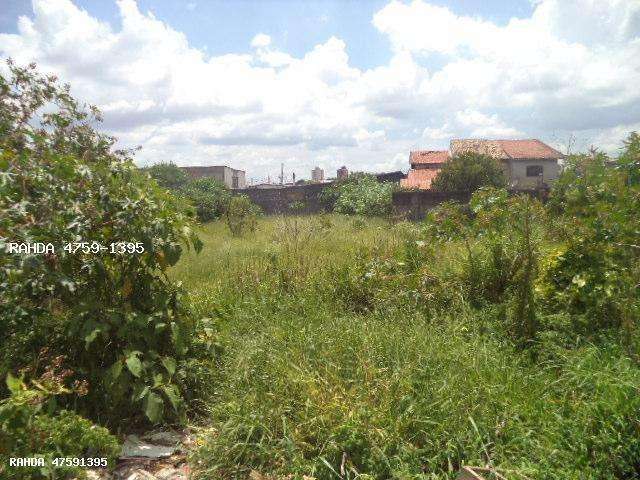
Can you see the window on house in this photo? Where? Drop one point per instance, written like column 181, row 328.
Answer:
column 234, row 182
column 534, row 170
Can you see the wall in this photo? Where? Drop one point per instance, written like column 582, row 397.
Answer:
column 414, row 204
column 240, row 174
column 221, row 173
column 278, row 200
column 518, row 172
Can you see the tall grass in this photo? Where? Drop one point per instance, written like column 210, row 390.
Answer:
column 344, row 349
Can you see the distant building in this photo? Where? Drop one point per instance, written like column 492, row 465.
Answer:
column 425, row 165
column 526, row 163
column 231, row 177
column 342, row 173
column 317, row 175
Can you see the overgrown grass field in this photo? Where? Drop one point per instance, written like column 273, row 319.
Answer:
column 501, row 333
column 344, row 351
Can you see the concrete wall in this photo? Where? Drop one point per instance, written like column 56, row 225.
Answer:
column 241, row 176
column 410, row 204
column 275, row 201
column 518, row 173
column 414, row 204
column 221, row 173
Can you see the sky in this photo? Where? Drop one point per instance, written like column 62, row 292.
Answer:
column 253, row 84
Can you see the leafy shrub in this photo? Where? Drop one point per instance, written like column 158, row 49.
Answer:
column 241, row 215
column 501, row 237
column 360, row 194
column 209, row 197
column 116, row 316
column 297, row 207
column 28, row 429
column 595, row 273
column 168, row 175
column 468, row 172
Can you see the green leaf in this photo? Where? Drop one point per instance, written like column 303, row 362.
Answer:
column 88, row 339
column 134, row 364
column 172, row 253
column 173, row 395
column 170, row 364
column 143, row 393
column 14, row 384
column 157, row 380
column 115, row 370
column 153, row 407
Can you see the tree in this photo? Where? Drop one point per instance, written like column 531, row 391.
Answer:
column 102, row 298
column 208, row 196
column 468, row 172
column 360, row 194
column 168, row 175
column 596, row 273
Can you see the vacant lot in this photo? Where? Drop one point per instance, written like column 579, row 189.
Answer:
column 346, row 348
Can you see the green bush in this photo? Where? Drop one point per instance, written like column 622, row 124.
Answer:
column 241, row 215
column 29, row 429
column 501, row 236
column 468, row 172
column 594, row 272
column 360, row 194
column 168, row 175
column 116, row 317
column 208, row 196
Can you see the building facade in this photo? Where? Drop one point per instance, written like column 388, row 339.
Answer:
column 527, row 164
column 317, row 175
column 231, row 177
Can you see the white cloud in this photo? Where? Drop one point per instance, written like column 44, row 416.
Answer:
column 572, row 67
column 261, row 40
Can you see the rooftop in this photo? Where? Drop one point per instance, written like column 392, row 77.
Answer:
column 419, row 179
column 506, row 149
column 428, row 156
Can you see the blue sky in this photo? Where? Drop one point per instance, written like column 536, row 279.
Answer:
column 224, row 26
column 256, row 83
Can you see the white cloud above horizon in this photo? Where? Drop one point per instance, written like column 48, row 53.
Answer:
column 572, row 68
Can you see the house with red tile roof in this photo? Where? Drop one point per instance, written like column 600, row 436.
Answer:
column 527, row 163
column 425, row 165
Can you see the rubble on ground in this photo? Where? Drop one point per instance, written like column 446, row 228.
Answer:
column 157, row 455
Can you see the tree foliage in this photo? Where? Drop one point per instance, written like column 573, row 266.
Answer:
column 468, row 172
column 168, row 175
column 208, row 196
column 116, row 317
column 595, row 271
column 502, row 236
column 27, row 426
column 360, row 194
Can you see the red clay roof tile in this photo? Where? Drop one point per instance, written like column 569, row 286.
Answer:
column 428, row 156
column 506, row 149
column 420, row 179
